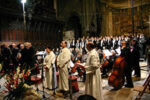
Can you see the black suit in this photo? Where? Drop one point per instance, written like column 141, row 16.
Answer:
column 6, row 57
column 125, row 52
column 116, row 44
column 23, row 55
column 14, row 57
column 30, row 57
column 135, row 56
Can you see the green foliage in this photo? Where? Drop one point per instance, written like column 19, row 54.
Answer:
column 16, row 94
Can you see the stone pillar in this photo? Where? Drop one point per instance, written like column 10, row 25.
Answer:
column 104, row 15
column 89, row 14
column 55, row 4
column 109, row 22
column 110, row 25
column 84, row 17
column 149, row 26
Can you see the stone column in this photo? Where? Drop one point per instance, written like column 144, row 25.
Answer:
column 149, row 26
column 84, row 17
column 104, row 15
column 110, row 25
column 55, row 4
column 89, row 14
column 109, row 22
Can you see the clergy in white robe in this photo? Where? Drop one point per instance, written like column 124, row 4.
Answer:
column 49, row 60
column 63, row 62
column 93, row 84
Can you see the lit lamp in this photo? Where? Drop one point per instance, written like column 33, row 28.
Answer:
column 24, row 13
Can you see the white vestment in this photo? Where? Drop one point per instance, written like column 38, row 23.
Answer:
column 93, row 84
column 49, row 61
column 63, row 61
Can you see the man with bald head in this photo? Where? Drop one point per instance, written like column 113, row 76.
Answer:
column 63, row 62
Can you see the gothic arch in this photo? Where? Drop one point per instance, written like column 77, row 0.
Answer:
column 73, row 23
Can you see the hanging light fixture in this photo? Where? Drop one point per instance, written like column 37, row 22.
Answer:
column 24, row 13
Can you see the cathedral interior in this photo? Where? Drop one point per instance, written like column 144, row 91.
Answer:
column 48, row 22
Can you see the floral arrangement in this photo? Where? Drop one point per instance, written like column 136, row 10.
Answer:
column 15, row 82
column 16, row 77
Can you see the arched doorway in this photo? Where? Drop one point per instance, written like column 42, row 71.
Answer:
column 74, row 24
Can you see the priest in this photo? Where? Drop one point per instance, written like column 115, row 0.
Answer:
column 49, row 60
column 63, row 62
column 93, row 84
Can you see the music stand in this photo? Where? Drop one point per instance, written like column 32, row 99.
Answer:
column 37, row 89
column 70, row 84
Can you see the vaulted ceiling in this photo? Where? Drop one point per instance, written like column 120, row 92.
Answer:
column 122, row 4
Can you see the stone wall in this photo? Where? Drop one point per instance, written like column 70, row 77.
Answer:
column 97, row 17
column 119, row 21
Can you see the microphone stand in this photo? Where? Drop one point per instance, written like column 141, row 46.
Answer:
column 54, row 84
column 42, row 77
column 70, row 84
column 37, row 89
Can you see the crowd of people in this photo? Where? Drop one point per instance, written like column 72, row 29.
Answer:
column 136, row 44
column 86, row 50
column 89, row 50
column 15, row 55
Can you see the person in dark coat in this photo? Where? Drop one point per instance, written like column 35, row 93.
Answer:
column 6, row 57
column 14, row 51
column 30, row 55
column 125, row 52
column 148, row 53
column 22, row 52
column 135, row 57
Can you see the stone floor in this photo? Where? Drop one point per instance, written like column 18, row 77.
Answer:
column 108, row 92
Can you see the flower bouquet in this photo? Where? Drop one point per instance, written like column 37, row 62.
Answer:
column 15, row 82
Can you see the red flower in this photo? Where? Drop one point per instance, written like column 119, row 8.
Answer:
column 23, row 75
column 16, row 81
column 21, row 79
column 8, row 86
column 27, row 73
column 16, row 85
column 14, row 72
column 11, row 81
column 17, row 77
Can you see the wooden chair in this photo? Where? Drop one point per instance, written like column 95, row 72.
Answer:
column 144, row 87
